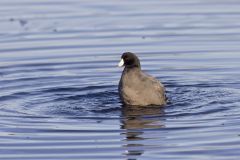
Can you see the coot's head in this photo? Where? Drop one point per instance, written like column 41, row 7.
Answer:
column 129, row 60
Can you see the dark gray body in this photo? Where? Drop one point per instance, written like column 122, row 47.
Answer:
column 138, row 88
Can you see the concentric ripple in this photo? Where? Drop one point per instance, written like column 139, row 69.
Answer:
column 58, row 80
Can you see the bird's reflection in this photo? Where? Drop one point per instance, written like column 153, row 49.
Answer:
column 136, row 121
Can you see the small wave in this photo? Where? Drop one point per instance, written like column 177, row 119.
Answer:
column 200, row 100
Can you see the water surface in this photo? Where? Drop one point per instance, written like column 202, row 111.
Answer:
column 58, row 79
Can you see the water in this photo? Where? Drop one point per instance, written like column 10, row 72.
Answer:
column 58, row 79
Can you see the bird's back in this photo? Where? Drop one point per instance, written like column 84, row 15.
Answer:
column 138, row 88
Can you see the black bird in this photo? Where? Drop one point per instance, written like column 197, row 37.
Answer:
column 137, row 88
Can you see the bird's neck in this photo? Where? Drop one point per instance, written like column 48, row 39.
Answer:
column 131, row 69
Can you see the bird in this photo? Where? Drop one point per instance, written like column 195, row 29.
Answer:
column 137, row 88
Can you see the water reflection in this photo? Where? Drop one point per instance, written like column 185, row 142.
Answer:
column 137, row 123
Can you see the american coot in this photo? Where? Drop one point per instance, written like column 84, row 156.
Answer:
column 136, row 87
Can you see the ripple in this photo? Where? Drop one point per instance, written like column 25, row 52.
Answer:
column 58, row 79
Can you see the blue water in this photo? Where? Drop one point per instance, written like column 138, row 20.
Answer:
column 59, row 78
